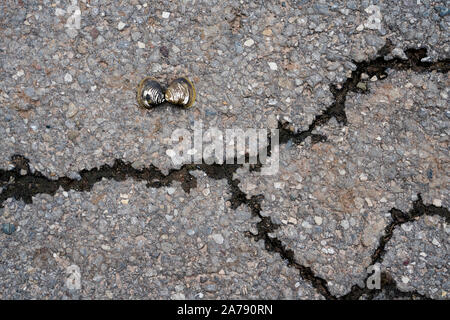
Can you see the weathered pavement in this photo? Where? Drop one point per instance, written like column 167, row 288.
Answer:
column 86, row 181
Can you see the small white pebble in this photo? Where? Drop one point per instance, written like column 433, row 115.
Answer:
column 292, row 220
column 178, row 296
column 328, row 250
column 141, row 45
column 405, row 279
column 363, row 177
column 437, row 202
column 407, row 227
column 318, row 220
column 175, row 49
column 60, row 12
column 272, row 65
column 218, row 238
column 170, row 153
column 345, row 224
column 249, row 43
column 165, row 15
column 435, row 242
column 191, row 151
column 278, row 185
column 68, row 77
column 121, row 26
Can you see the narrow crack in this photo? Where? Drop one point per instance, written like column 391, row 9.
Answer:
column 272, row 244
column 388, row 287
column 376, row 67
column 399, row 217
column 21, row 184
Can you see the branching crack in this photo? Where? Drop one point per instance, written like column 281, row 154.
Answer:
column 20, row 183
column 398, row 218
column 376, row 67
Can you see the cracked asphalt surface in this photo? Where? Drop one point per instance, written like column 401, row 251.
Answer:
column 85, row 179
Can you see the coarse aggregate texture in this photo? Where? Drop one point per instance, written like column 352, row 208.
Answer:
column 364, row 160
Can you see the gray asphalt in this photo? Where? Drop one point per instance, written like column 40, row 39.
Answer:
column 351, row 154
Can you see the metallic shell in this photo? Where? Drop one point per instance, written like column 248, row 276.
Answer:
column 150, row 93
column 181, row 91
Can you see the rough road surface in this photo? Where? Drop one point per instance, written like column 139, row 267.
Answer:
column 92, row 206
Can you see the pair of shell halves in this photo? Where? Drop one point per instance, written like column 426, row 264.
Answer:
column 180, row 92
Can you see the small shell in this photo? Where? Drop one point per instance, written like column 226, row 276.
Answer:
column 181, row 91
column 149, row 93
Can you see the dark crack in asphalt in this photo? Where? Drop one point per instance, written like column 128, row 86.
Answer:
column 22, row 184
column 389, row 291
column 399, row 217
column 376, row 67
